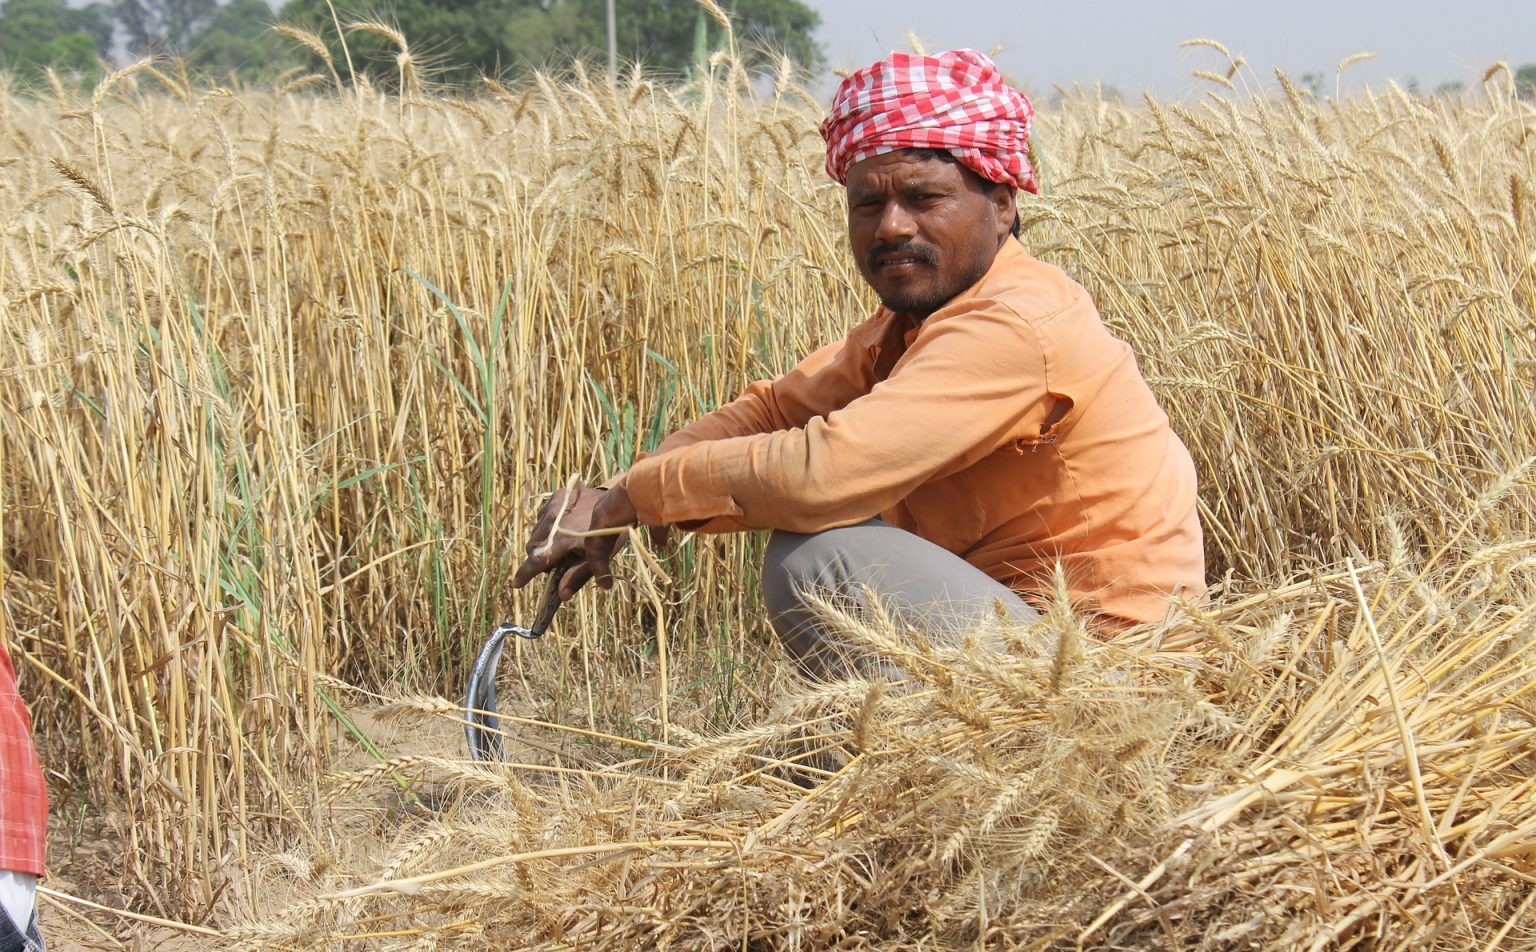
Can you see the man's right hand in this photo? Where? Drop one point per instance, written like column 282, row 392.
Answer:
column 573, row 509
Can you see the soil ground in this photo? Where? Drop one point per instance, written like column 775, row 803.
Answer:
column 83, row 854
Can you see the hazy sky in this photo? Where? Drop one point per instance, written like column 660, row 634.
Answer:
column 1136, row 45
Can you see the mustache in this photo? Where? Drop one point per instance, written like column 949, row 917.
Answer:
column 907, row 249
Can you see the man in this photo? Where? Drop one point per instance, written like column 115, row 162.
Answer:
column 23, row 818
column 979, row 430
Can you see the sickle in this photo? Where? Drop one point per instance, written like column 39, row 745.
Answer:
column 482, row 727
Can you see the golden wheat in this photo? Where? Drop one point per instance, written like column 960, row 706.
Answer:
column 284, row 374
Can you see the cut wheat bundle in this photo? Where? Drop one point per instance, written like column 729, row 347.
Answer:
column 1348, row 764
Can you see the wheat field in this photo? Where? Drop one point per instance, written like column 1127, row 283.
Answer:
column 285, row 371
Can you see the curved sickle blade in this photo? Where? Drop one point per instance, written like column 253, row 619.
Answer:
column 482, row 726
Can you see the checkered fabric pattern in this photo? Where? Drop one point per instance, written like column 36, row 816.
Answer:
column 23, row 796
column 956, row 101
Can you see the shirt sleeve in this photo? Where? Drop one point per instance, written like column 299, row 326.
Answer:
column 967, row 385
column 821, row 383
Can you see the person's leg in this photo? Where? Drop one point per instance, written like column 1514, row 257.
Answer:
column 18, row 913
column 922, row 585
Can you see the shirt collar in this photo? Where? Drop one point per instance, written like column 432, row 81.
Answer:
column 1009, row 252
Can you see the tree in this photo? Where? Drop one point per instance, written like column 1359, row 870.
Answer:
column 37, row 34
column 1525, row 81
column 239, row 40
column 463, row 39
column 660, row 33
column 459, row 38
column 162, row 26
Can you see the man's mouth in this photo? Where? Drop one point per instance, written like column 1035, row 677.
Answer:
column 900, row 260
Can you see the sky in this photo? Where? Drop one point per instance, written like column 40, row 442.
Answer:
column 1135, row 46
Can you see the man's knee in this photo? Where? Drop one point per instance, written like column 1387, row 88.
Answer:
column 778, row 589
column 790, row 564
column 794, row 565
column 796, row 562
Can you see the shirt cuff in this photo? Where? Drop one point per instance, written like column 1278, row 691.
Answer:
column 663, row 493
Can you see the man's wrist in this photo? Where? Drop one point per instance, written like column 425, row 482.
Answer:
column 614, row 509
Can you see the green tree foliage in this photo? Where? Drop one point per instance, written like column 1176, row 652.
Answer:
column 239, row 40
column 163, row 26
column 660, row 33
column 37, row 34
column 453, row 42
column 1525, row 81
column 459, row 40
column 455, row 39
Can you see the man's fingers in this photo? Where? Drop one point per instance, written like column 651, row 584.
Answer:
column 529, row 570
column 547, row 549
column 537, row 536
column 599, row 553
column 552, row 551
column 575, row 577
column 544, row 552
column 659, row 536
column 545, row 524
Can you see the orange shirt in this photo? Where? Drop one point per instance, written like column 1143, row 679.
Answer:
column 1009, row 428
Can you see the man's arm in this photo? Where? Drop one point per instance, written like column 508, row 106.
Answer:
column 819, row 384
column 969, row 384
column 824, row 381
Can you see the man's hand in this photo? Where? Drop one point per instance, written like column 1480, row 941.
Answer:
column 613, row 510
column 579, row 510
column 564, row 552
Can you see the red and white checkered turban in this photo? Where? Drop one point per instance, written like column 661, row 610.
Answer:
column 955, row 101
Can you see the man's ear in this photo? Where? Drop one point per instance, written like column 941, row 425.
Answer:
column 1005, row 202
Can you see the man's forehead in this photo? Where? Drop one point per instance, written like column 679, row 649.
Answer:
column 910, row 165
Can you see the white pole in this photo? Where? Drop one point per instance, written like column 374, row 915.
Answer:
column 613, row 45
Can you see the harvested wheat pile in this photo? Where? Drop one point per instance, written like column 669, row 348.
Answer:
column 1343, row 762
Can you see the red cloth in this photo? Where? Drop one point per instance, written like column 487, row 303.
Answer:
column 23, row 795
column 956, row 101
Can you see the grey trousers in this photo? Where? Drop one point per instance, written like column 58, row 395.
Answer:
column 919, row 584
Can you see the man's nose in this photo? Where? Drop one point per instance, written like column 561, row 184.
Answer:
column 896, row 223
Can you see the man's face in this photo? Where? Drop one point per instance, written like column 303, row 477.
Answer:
column 923, row 229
